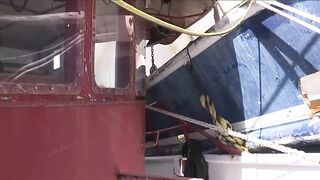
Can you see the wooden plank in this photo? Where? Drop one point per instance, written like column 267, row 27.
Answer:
column 310, row 88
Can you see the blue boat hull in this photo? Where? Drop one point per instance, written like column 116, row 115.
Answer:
column 249, row 73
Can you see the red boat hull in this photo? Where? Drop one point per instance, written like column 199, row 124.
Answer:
column 64, row 142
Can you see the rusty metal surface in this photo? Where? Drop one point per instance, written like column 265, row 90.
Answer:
column 61, row 136
column 50, row 142
column 140, row 75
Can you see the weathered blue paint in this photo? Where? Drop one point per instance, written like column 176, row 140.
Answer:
column 252, row 71
column 294, row 129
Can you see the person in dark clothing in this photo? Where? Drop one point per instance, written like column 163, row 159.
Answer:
column 1, row 66
column 195, row 166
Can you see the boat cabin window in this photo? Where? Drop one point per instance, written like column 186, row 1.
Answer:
column 41, row 42
column 113, row 46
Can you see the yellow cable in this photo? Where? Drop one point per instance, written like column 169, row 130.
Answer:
column 167, row 25
column 225, row 124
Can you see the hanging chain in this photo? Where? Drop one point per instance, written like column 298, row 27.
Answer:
column 152, row 55
column 153, row 66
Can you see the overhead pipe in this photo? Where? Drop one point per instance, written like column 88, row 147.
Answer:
column 173, row 27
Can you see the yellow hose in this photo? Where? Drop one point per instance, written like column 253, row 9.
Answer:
column 173, row 27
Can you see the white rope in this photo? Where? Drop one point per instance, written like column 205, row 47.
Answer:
column 292, row 18
column 220, row 130
column 294, row 10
